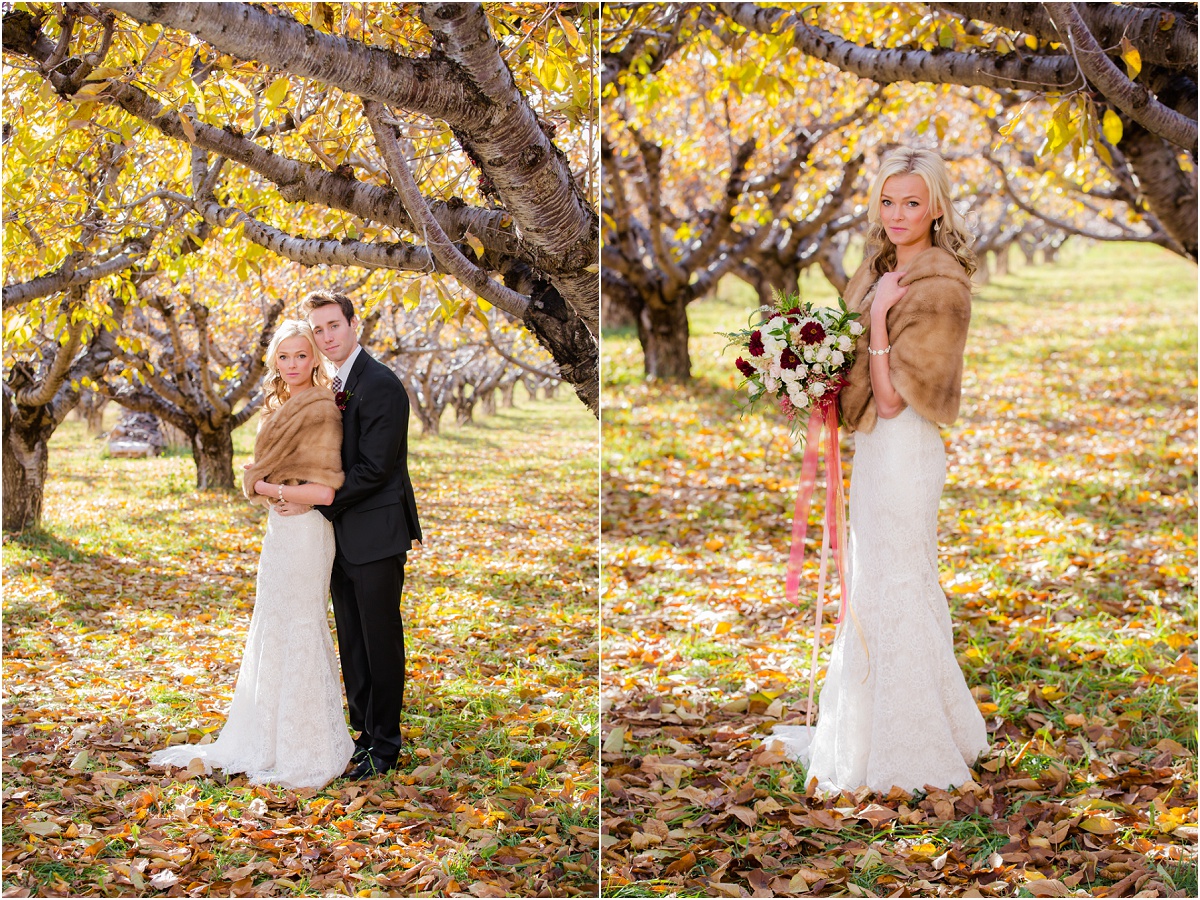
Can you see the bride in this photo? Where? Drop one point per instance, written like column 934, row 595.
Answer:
column 286, row 725
column 895, row 709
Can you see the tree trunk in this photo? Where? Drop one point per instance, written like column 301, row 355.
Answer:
column 615, row 314
column 663, row 332
column 26, row 462
column 1170, row 190
column 507, row 391
column 430, row 419
column 551, row 390
column 1029, row 251
column 213, row 453
column 487, row 402
column 1050, row 253
column 1002, row 260
column 464, row 408
column 91, row 410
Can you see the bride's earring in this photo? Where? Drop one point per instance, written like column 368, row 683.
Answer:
column 937, row 225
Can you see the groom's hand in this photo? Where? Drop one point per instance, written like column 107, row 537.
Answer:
column 291, row 509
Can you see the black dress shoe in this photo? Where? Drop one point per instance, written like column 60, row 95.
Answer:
column 360, row 753
column 371, row 767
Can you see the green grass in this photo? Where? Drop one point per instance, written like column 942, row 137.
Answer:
column 1067, row 535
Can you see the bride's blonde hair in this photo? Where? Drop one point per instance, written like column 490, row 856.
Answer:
column 951, row 234
column 274, row 387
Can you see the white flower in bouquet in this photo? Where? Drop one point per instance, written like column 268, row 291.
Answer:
column 837, row 358
column 774, row 369
column 810, row 354
column 771, row 383
column 823, row 354
column 844, row 342
column 789, row 377
column 817, row 389
column 818, row 369
column 775, row 324
column 771, row 344
column 799, row 399
column 795, row 392
column 856, row 328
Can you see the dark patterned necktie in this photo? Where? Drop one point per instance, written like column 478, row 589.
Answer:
column 337, row 383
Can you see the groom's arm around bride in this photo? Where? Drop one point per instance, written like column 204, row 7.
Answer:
column 374, row 515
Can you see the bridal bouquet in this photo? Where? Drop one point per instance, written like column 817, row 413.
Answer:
column 798, row 356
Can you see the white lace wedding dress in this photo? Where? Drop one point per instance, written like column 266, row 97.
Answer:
column 286, row 724
column 894, row 709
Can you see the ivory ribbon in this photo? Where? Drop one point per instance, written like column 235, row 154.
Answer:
column 834, row 531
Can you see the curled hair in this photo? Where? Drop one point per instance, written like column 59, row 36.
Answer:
column 952, row 235
column 275, row 389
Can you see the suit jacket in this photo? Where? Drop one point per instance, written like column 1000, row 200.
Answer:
column 374, row 512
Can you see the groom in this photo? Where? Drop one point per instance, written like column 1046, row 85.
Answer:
column 374, row 517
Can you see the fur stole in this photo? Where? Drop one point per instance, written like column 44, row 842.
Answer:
column 300, row 441
column 928, row 331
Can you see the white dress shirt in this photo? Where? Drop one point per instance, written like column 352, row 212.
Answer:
column 343, row 371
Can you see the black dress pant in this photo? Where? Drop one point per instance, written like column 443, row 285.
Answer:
column 366, row 608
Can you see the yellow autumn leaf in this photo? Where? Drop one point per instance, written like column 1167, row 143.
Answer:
column 1113, row 129
column 1133, row 59
column 1098, row 825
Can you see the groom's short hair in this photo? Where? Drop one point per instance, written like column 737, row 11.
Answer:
column 317, row 299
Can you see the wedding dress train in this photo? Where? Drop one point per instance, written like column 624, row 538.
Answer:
column 894, row 708
column 286, row 724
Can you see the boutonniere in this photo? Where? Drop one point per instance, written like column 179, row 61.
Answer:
column 341, row 397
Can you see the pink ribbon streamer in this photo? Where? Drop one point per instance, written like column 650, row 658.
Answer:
column 824, row 416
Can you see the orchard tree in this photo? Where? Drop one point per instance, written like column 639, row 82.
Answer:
column 304, row 128
column 1119, row 77
column 712, row 158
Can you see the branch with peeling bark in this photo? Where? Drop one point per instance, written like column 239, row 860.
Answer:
column 1155, row 32
column 440, row 246
column 1131, row 98
column 887, row 66
column 72, row 274
column 468, row 86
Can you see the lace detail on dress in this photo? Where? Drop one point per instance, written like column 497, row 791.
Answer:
column 286, row 724
column 894, row 709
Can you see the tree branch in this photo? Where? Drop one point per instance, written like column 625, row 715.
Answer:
column 1129, row 97
column 1054, row 73
column 70, row 275
column 1174, row 47
column 440, row 246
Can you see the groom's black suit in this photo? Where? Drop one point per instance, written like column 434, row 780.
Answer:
column 374, row 517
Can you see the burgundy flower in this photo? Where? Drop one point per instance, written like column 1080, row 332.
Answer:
column 794, row 311
column 744, row 367
column 340, row 399
column 788, row 359
column 812, row 333
column 756, row 344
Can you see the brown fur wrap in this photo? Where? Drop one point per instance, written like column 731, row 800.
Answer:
column 928, row 331
column 300, row 441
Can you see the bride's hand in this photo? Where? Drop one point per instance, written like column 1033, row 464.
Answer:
column 291, row 509
column 888, row 293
